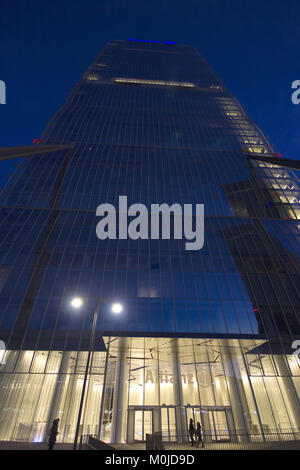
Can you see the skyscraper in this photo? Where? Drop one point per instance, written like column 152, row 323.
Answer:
column 157, row 334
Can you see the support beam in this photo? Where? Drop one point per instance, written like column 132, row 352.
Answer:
column 10, row 153
column 120, row 394
column 285, row 162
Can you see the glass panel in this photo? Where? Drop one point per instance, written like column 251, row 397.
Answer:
column 138, row 425
column 221, row 427
column 277, row 402
column 212, row 426
column 197, row 416
column 168, row 424
column 142, row 424
column 189, row 415
column 164, row 424
column 147, row 423
column 264, row 405
column 172, row 425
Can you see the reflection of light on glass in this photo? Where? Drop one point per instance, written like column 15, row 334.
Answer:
column 135, row 387
column 150, row 385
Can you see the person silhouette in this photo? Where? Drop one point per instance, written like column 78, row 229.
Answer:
column 53, row 433
column 199, row 435
column 192, row 432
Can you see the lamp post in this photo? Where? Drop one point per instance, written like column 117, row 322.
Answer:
column 77, row 302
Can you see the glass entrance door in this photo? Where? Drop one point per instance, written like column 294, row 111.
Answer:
column 214, row 422
column 218, row 426
column 195, row 414
column 168, row 424
column 142, row 424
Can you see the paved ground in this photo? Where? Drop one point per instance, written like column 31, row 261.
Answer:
column 137, row 446
column 283, row 445
column 276, row 445
column 8, row 445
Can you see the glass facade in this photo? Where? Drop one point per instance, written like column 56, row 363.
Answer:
column 204, row 334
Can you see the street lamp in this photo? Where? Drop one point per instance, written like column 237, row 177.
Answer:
column 117, row 308
column 77, row 302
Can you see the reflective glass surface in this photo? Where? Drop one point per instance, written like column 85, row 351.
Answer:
column 175, row 135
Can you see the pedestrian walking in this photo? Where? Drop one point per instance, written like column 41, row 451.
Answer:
column 192, row 432
column 53, row 433
column 199, row 435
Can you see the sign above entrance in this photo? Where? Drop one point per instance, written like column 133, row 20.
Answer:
column 203, row 378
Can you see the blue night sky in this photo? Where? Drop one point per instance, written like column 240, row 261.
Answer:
column 253, row 45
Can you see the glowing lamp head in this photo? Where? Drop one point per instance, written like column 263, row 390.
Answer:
column 76, row 302
column 116, row 308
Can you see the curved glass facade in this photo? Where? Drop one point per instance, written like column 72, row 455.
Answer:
column 152, row 122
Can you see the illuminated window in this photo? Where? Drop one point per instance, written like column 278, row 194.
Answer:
column 153, row 82
column 93, row 77
column 257, row 149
